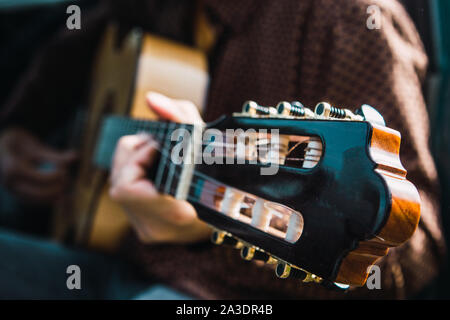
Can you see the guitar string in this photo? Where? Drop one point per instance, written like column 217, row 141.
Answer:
column 215, row 193
column 145, row 124
column 210, row 190
column 139, row 125
column 148, row 125
column 196, row 186
column 155, row 125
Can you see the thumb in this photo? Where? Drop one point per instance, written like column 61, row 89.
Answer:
column 46, row 154
column 173, row 110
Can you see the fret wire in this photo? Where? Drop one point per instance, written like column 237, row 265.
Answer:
column 196, row 185
column 170, row 173
column 204, row 177
column 159, row 136
column 200, row 186
column 161, row 133
column 131, row 126
column 162, row 164
column 113, row 128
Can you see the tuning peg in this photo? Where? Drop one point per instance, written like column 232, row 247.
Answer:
column 370, row 114
column 326, row 111
column 284, row 271
column 294, row 109
column 221, row 238
column 312, row 278
column 252, row 108
column 250, row 253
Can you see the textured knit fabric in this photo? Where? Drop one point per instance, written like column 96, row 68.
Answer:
column 268, row 51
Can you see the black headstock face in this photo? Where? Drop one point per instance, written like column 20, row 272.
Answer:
column 309, row 210
column 322, row 194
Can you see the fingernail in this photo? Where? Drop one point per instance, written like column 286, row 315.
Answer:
column 157, row 98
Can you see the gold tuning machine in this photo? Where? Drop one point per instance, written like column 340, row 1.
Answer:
column 221, row 238
column 251, row 253
column 324, row 110
column 370, row 114
column 254, row 109
column 294, row 109
column 284, row 271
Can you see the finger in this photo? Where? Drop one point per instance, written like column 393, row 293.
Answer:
column 130, row 166
column 149, row 215
column 173, row 110
column 145, row 155
column 44, row 154
column 18, row 170
column 173, row 211
column 134, row 170
column 165, row 107
column 190, row 111
column 25, row 144
column 126, row 146
column 129, row 194
column 129, row 182
column 38, row 193
column 162, row 209
column 27, row 172
column 165, row 219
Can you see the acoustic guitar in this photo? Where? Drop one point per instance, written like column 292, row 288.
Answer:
column 125, row 70
column 320, row 194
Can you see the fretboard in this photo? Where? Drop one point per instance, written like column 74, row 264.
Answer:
column 164, row 173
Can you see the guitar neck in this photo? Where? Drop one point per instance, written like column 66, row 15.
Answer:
column 166, row 174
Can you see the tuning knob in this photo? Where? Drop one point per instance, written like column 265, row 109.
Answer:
column 370, row 114
column 252, row 108
column 294, row 109
column 325, row 110
column 221, row 238
column 284, row 271
column 250, row 253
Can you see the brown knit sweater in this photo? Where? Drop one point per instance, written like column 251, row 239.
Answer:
column 307, row 50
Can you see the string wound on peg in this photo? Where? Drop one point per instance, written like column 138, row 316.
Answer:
column 253, row 108
column 221, row 238
column 325, row 110
column 294, row 109
column 251, row 253
column 285, row 271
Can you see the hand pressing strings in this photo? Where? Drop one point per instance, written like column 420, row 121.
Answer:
column 155, row 217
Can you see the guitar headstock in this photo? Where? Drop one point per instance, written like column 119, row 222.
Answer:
column 321, row 194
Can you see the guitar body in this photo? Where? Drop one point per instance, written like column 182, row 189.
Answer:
column 125, row 70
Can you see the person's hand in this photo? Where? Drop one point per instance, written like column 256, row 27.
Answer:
column 155, row 218
column 31, row 170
